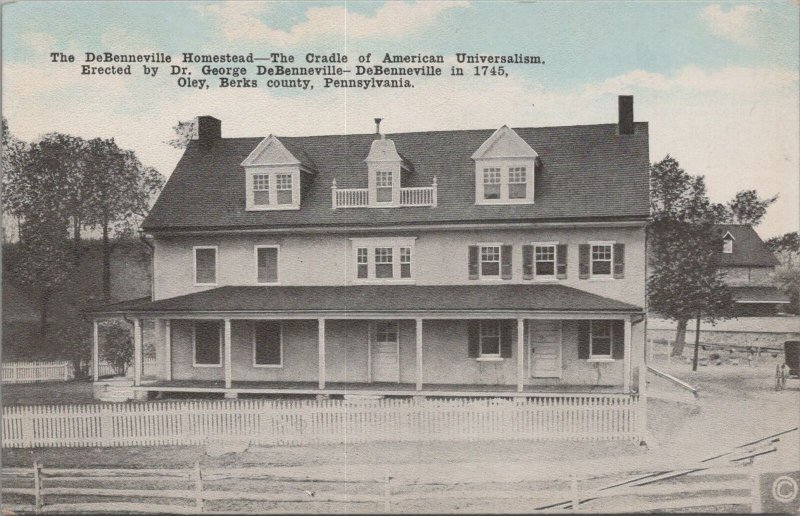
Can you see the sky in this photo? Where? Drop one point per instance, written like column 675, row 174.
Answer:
column 717, row 82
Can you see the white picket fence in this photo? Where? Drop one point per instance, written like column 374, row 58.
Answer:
column 576, row 417
column 31, row 372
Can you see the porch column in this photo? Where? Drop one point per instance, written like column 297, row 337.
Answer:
column 321, row 346
column 168, row 349
column 137, row 351
column 228, row 365
column 520, row 354
column 95, row 350
column 419, row 354
column 626, row 381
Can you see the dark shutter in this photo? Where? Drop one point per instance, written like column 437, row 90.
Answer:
column 561, row 261
column 617, row 339
column 619, row 261
column 505, row 262
column 583, row 339
column 583, row 261
column 506, row 338
column 473, row 339
column 473, row 261
column 527, row 262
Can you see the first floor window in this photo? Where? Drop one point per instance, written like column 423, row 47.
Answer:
column 267, row 258
column 405, row 262
column 383, row 185
column 490, row 338
column 386, row 331
column 260, row 189
column 490, row 261
column 545, row 260
column 363, row 266
column 207, row 343
column 384, row 266
column 600, row 341
column 517, row 183
column 267, row 343
column 491, row 183
column 205, row 265
column 284, row 188
column 601, row 259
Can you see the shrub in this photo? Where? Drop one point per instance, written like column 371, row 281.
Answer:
column 117, row 350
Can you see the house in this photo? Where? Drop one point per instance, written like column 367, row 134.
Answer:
column 446, row 263
column 748, row 266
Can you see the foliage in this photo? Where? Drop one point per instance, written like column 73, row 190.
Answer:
column 183, row 133
column 117, row 349
column 747, row 208
column 786, row 248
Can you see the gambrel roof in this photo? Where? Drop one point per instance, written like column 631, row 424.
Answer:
column 587, row 172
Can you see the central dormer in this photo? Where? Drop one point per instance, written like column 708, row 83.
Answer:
column 386, row 171
column 504, row 169
column 275, row 176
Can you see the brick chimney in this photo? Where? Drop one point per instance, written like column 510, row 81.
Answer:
column 626, row 114
column 207, row 128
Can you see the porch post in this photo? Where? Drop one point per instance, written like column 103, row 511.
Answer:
column 228, row 365
column 95, row 351
column 520, row 353
column 626, row 381
column 168, row 349
column 419, row 354
column 321, row 346
column 137, row 351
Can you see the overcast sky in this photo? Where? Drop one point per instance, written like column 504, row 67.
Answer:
column 718, row 82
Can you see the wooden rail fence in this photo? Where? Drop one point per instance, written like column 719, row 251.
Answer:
column 56, row 370
column 298, row 422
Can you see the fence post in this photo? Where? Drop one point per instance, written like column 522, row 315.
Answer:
column 387, row 493
column 27, row 417
column 106, row 425
column 37, row 486
column 573, row 484
column 198, row 487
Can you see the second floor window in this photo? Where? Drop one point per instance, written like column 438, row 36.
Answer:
column 405, row 262
column 490, row 261
column 205, row 265
column 517, row 183
column 260, row 189
column 602, row 255
column 545, row 260
column 383, row 185
column 363, row 263
column 491, row 183
column 383, row 259
column 267, row 264
column 284, row 188
column 384, row 266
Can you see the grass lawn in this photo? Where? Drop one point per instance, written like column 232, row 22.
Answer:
column 47, row 393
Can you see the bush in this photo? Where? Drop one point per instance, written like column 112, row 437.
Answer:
column 117, row 350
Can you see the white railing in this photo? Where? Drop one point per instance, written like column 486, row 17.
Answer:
column 55, row 370
column 359, row 197
column 578, row 417
column 419, row 196
column 350, row 197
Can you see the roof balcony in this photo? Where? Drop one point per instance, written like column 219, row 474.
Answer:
column 360, row 197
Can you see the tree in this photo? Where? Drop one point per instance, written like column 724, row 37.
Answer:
column 747, row 208
column 787, row 275
column 183, row 132
column 118, row 347
column 685, row 281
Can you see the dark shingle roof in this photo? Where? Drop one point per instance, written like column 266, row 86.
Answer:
column 759, row 295
column 748, row 248
column 375, row 298
column 588, row 172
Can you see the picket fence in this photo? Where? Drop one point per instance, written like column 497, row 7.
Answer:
column 298, row 422
column 56, row 370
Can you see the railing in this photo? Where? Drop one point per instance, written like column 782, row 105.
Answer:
column 359, row 197
column 579, row 417
column 56, row 370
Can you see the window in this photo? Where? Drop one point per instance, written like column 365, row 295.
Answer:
column 517, row 183
column 545, row 260
column 205, row 265
column 727, row 246
column 260, row 189
column 267, row 344
column 383, row 185
column 600, row 339
column 284, row 188
column 207, row 336
column 384, row 268
column 490, row 261
column 362, row 256
column 602, row 255
column 491, row 183
column 386, row 331
column 489, row 339
column 405, row 262
column 267, row 264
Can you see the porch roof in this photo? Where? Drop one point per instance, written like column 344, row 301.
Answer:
column 376, row 299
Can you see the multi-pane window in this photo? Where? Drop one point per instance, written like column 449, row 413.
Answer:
column 383, row 185
column 490, row 261
column 602, row 255
column 490, row 338
column 205, row 265
column 267, row 264
column 544, row 260
column 384, row 265
column 386, row 331
column 517, row 183
column 363, row 267
column 283, row 185
column 260, row 189
column 600, row 340
column 405, row 262
column 491, row 183
column 267, row 348
column 727, row 246
column 207, row 343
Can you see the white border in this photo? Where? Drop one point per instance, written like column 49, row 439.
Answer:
column 601, row 277
column 499, row 276
column 277, row 263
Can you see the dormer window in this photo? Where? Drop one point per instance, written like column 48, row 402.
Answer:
column 384, row 185
column 260, row 189
column 517, row 183
column 272, row 176
column 284, row 188
column 504, row 167
column 727, row 243
column 491, row 183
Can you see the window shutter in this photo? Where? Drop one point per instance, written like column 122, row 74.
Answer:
column 583, row 339
column 473, row 261
column 506, row 338
column 561, row 261
column 527, row 262
column 619, row 261
column 583, row 261
column 473, row 344
column 617, row 339
column 505, row 262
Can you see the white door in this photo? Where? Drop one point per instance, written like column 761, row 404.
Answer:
column 545, row 345
column 385, row 352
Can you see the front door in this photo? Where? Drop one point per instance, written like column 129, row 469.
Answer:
column 545, row 345
column 385, row 352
